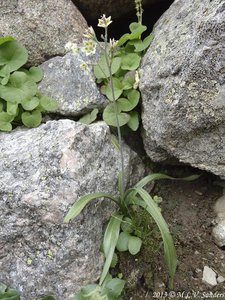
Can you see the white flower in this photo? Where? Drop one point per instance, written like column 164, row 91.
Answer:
column 89, row 33
column 104, row 22
column 113, row 43
column 84, row 67
column 72, row 47
column 89, row 47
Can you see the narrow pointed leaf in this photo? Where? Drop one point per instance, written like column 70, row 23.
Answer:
column 169, row 248
column 109, row 243
column 79, row 205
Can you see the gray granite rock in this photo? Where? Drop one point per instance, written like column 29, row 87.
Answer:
column 70, row 81
column 183, row 86
column 44, row 27
column 43, row 171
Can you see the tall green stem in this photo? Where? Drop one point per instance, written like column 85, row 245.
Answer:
column 109, row 63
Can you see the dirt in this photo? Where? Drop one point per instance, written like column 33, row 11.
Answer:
column 188, row 209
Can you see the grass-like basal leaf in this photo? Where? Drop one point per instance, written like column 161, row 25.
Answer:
column 109, row 243
column 78, row 206
column 169, row 249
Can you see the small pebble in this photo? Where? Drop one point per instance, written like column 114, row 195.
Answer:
column 209, row 276
column 220, row 279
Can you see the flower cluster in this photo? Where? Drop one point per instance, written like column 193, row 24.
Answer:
column 104, row 22
column 72, row 47
column 89, row 47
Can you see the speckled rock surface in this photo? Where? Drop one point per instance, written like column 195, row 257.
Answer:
column 70, row 81
column 183, row 86
column 93, row 9
column 43, row 170
column 44, row 27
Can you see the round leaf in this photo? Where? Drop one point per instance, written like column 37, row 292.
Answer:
column 109, row 116
column 35, row 73
column 134, row 244
column 122, row 243
column 30, row 104
column 90, row 117
column 130, row 62
column 48, row 104
column 101, row 70
column 117, row 86
column 13, row 54
column 19, row 88
column 32, row 119
column 131, row 102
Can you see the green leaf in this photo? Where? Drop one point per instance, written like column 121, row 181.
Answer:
column 10, row 295
column 31, row 119
column 12, row 108
column 124, row 38
column 128, row 82
column 131, row 102
column 169, row 248
column 5, row 117
column 134, row 244
column 109, row 116
column 5, row 124
column 48, row 298
column 19, row 88
column 137, row 28
column 109, row 243
column 48, row 104
column 117, row 87
column 126, row 225
column 134, row 121
column 130, row 61
column 142, row 45
column 6, row 39
column 35, row 73
column 90, row 290
column 114, row 287
column 101, row 70
column 90, row 117
column 122, row 243
column 5, row 74
column 13, row 54
column 78, row 206
column 30, row 104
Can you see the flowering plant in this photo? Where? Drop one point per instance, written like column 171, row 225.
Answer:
column 117, row 73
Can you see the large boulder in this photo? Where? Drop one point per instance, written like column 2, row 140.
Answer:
column 43, row 171
column 44, row 27
column 183, row 86
column 71, row 82
column 93, row 9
